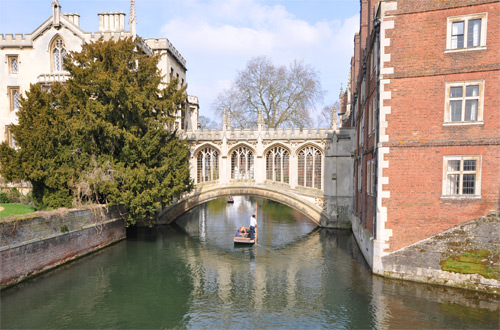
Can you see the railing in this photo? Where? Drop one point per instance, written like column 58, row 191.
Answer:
column 47, row 78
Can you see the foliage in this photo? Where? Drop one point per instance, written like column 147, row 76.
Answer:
column 102, row 136
column 4, row 198
column 15, row 208
column 481, row 262
column 15, row 196
column 284, row 94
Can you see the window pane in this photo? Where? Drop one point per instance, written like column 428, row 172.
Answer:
column 277, row 168
column 474, row 33
column 317, row 170
column 472, row 90
column 269, row 166
column 15, row 97
column 301, row 167
column 456, row 91
column 471, row 110
column 455, row 110
column 200, row 167
column 309, row 170
column 469, row 165
column 286, row 168
column 468, row 184
column 13, row 65
column 453, row 185
column 458, row 28
column 453, row 165
column 457, row 35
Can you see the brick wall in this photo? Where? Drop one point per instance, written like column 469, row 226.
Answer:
column 419, row 138
column 34, row 244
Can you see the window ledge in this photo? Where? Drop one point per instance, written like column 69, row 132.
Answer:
column 461, row 197
column 458, row 50
column 463, row 123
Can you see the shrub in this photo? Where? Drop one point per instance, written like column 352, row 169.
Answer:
column 4, row 198
column 14, row 196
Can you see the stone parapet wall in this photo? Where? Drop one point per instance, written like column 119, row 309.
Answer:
column 248, row 134
column 31, row 244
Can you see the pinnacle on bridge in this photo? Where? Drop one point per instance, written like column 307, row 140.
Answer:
column 260, row 120
column 334, row 118
column 226, row 120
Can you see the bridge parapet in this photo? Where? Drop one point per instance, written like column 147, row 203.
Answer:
column 248, row 134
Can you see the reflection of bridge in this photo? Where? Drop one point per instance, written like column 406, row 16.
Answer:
column 308, row 170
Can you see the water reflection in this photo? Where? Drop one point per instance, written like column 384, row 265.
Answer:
column 192, row 276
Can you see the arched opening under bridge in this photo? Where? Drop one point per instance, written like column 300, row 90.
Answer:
column 207, row 193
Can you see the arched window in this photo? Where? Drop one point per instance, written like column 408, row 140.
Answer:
column 309, row 167
column 242, row 163
column 278, row 165
column 58, row 51
column 207, row 165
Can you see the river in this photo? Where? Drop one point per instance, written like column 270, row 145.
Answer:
column 191, row 276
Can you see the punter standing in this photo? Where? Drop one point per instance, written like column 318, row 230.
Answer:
column 253, row 224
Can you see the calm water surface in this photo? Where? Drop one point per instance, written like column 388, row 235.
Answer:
column 192, row 276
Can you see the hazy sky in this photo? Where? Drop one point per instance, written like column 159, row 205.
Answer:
column 218, row 37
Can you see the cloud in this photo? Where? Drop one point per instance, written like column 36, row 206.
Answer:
column 218, row 37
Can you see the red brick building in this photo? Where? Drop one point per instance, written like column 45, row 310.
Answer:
column 424, row 97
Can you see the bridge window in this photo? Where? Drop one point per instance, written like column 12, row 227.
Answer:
column 278, row 165
column 309, row 168
column 207, row 165
column 242, row 164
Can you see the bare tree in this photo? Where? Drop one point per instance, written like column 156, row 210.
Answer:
column 207, row 123
column 286, row 95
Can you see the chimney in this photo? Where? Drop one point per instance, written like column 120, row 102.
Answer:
column 73, row 18
column 111, row 22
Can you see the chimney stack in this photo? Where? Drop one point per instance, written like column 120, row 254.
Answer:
column 111, row 22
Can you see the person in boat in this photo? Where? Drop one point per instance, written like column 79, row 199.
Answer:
column 243, row 232
column 253, row 224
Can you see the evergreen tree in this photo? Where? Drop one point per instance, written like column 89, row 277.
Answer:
column 102, row 137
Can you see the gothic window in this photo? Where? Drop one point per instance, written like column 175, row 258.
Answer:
column 10, row 137
column 58, row 53
column 208, row 165
column 278, row 165
column 14, row 98
column 242, row 163
column 13, row 64
column 309, row 167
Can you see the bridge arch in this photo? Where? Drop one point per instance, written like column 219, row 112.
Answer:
column 309, row 144
column 276, row 144
column 206, row 193
column 205, row 145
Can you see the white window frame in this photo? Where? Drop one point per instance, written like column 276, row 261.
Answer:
column 464, row 98
column 466, row 18
column 461, row 172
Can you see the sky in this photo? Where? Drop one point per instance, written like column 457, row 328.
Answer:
column 218, row 37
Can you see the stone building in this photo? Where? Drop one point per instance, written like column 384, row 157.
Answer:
column 38, row 57
column 424, row 98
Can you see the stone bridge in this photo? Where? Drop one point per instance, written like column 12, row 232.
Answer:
column 308, row 170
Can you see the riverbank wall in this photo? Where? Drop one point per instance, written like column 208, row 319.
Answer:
column 466, row 256
column 34, row 243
